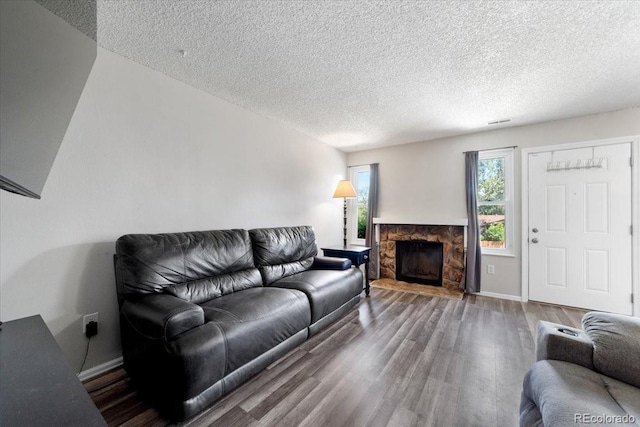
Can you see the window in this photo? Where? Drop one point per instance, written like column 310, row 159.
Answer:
column 495, row 201
column 357, row 214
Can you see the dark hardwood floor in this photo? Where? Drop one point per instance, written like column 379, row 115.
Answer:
column 397, row 359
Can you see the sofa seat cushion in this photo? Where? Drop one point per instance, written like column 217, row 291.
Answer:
column 327, row 290
column 255, row 320
column 565, row 394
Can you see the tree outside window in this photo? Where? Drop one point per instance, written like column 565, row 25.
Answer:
column 363, row 203
column 359, row 207
column 494, row 200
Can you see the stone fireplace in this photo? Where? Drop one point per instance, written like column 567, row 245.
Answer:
column 425, row 242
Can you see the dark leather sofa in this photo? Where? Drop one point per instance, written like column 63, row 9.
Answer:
column 201, row 312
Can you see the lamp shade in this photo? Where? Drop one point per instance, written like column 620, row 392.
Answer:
column 345, row 189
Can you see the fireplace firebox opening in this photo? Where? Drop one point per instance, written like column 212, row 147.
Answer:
column 419, row 261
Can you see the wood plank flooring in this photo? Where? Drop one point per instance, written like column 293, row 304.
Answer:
column 398, row 359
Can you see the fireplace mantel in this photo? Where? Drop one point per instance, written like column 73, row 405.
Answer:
column 463, row 222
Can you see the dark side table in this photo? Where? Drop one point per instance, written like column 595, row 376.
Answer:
column 38, row 387
column 357, row 254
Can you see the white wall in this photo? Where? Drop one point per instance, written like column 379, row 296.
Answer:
column 37, row 50
column 145, row 153
column 426, row 179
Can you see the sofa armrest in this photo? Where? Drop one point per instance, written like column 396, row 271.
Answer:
column 330, row 263
column 559, row 342
column 162, row 316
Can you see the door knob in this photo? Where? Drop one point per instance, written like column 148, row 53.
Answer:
column 534, row 240
column 535, row 230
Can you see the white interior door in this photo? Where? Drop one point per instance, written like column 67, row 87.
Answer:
column 580, row 243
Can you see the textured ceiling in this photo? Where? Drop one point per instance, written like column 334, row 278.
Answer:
column 361, row 74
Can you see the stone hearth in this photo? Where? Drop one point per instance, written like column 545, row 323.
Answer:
column 451, row 237
column 428, row 290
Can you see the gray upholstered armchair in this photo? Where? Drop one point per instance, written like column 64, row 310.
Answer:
column 589, row 376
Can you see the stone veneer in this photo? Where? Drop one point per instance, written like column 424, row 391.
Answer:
column 451, row 237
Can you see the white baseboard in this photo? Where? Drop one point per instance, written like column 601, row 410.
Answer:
column 97, row 370
column 496, row 295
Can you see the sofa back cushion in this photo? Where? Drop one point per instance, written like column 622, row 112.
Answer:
column 281, row 252
column 194, row 266
column 202, row 290
column 616, row 345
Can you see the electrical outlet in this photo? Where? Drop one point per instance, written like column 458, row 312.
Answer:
column 491, row 269
column 93, row 317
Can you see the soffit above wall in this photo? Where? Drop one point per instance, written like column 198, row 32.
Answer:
column 358, row 74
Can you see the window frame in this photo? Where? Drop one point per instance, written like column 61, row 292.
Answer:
column 352, row 207
column 507, row 154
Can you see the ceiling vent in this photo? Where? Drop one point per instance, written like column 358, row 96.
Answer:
column 497, row 122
